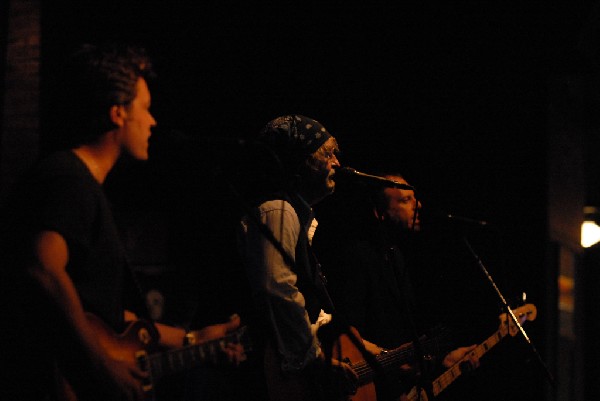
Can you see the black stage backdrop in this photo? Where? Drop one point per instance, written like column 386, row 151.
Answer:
column 452, row 94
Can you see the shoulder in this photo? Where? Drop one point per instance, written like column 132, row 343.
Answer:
column 61, row 160
column 62, row 182
column 63, row 166
column 277, row 207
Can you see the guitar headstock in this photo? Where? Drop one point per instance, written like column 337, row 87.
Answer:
column 527, row 312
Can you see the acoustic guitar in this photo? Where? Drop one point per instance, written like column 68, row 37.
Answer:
column 284, row 387
column 389, row 363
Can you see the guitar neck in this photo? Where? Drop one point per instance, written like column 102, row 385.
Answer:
column 392, row 360
column 525, row 312
column 178, row 360
column 453, row 373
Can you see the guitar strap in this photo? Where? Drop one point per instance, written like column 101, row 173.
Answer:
column 317, row 281
column 320, row 281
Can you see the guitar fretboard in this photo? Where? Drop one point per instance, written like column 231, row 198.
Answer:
column 178, row 360
column 393, row 359
column 453, row 373
column 526, row 312
column 175, row 361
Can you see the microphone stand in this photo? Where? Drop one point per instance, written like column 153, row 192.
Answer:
column 419, row 352
column 510, row 312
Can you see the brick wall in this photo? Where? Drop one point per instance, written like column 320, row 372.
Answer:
column 19, row 141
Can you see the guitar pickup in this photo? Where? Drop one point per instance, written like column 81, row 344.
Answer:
column 143, row 363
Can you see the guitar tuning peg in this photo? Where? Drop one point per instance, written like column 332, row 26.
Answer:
column 524, row 297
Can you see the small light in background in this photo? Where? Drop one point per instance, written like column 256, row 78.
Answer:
column 590, row 230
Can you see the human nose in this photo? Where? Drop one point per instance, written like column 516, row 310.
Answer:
column 416, row 204
column 334, row 161
column 153, row 122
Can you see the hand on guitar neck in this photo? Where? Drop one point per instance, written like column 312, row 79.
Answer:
column 458, row 361
column 464, row 355
column 524, row 313
column 234, row 351
column 175, row 337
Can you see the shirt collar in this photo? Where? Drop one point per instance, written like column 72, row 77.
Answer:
column 304, row 211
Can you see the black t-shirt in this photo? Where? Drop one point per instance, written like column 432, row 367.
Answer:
column 368, row 285
column 57, row 194
column 60, row 194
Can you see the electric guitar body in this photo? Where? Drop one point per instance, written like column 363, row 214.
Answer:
column 138, row 346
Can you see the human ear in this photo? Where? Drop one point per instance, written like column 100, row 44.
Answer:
column 117, row 115
column 379, row 214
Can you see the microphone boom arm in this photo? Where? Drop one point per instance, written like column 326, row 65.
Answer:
column 374, row 179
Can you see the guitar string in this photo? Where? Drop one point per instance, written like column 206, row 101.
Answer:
column 448, row 377
column 181, row 357
column 365, row 372
column 453, row 373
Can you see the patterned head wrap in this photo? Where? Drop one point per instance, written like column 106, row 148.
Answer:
column 294, row 136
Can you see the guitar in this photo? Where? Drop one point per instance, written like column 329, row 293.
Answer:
column 390, row 361
column 294, row 387
column 138, row 345
column 507, row 326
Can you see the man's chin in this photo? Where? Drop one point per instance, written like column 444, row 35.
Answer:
column 330, row 186
column 142, row 155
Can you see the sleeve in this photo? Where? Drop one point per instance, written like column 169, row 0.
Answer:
column 275, row 286
column 68, row 206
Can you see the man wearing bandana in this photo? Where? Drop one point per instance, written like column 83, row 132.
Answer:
column 285, row 279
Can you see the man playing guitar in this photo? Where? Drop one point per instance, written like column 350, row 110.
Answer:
column 62, row 256
column 372, row 287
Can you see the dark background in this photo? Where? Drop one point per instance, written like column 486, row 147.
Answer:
column 453, row 94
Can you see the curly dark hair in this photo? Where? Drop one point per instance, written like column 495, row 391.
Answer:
column 94, row 79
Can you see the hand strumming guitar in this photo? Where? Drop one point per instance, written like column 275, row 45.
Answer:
column 341, row 373
column 124, row 379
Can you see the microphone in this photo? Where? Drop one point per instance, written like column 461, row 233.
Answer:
column 430, row 216
column 371, row 179
column 466, row 220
